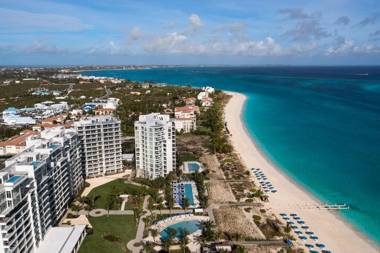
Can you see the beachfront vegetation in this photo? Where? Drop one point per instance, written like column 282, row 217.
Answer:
column 212, row 124
column 110, row 234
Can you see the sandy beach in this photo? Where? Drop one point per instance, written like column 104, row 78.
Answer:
column 337, row 235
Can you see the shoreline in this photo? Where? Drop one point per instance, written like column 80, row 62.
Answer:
column 335, row 232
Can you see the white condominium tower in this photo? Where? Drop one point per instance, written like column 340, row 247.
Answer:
column 155, row 145
column 101, row 145
column 36, row 187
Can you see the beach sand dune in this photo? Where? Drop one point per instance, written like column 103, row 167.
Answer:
column 332, row 231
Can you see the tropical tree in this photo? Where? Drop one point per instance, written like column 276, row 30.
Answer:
column 110, row 202
column 154, row 233
column 186, row 203
column 90, row 201
column 148, row 247
column 241, row 249
column 184, row 240
column 208, row 230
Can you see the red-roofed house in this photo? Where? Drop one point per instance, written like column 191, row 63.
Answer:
column 17, row 143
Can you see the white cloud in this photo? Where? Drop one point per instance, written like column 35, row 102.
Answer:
column 195, row 20
column 176, row 43
column 135, row 34
column 166, row 43
column 349, row 47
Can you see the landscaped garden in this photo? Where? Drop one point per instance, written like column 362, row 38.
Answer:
column 110, row 234
column 107, row 196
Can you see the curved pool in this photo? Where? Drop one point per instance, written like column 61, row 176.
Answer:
column 180, row 227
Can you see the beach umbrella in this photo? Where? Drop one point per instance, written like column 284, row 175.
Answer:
column 315, row 238
column 320, row 245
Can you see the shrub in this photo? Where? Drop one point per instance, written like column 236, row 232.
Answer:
column 111, row 238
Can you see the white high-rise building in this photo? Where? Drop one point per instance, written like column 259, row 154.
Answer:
column 101, row 145
column 36, row 186
column 155, row 145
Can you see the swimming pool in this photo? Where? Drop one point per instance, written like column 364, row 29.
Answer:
column 192, row 167
column 13, row 179
column 183, row 190
column 190, row 226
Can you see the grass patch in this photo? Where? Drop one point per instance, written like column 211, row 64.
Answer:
column 111, row 234
column 116, row 188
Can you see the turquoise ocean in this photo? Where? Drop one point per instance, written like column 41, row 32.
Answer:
column 320, row 125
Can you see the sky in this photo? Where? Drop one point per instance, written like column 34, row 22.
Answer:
column 288, row 32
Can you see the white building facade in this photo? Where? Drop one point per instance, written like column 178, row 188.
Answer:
column 155, row 145
column 36, row 187
column 186, row 118
column 101, row 145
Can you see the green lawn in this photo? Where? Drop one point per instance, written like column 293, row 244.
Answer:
column 117, row 187
column 122, row 227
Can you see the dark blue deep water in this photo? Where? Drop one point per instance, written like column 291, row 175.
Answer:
column 321, row 125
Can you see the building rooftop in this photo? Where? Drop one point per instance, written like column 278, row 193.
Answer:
column 154, row 119
column 18, row 140
column 187, row 108
column 61, row 239
column 96, row 119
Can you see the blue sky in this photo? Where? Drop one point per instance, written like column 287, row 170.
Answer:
column 327, row 32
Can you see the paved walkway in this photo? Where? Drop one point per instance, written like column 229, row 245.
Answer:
column 98, row 181
column 174, row 211
column 102, row 212
column 140, row 230
column 123, row 205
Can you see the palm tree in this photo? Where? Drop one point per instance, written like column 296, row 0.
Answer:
column 154, row 233
column 160, row 206
column 110, row 201
column 148, row 247
column 184, row 240
column 200, row 240
column 186, row 203
column 207, row 230
column 90, row 201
